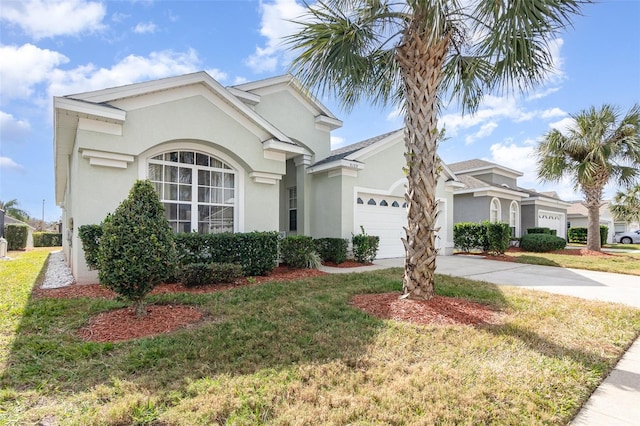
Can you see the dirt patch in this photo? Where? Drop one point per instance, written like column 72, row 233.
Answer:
column 438, row 310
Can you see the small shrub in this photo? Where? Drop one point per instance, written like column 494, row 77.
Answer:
column 16, row 236
column 542, row 243
column 47, row 239
column 579, row 235
column 195, row 274
column 332, row 249
column 198, row 274
column 365, row 247
column 540, row 230
column 313, row 260
column 498, row 236
column 137, row 250
column 604, row 233
column 296, row 250
column 90, row 237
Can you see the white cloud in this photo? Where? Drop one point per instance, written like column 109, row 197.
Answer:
column 552, row 113
column 542, row 93
column 563, row 125
column 239, row 80
column 24, row 67
column 275, row 25
column 50, row 18
column 145, row 28
column 485, row 130
column 217, row 75
column 131, row 69
column 8, row 164
column 12, row 129
column 517, row 157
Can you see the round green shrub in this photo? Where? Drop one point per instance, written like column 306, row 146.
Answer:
column 542, row 243
column 136, row 250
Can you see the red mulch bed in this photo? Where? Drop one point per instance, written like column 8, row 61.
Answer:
column 121, row 324
column 438, row 310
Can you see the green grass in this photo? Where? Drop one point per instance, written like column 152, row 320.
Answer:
column 621, row 263
column 297, row 353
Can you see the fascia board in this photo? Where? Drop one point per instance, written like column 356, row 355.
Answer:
column 497, row 169
column 91, row 109
column 276, row 145
column 338, row 164
column 375, row 147
column 247, row 97
column 491, row 191
column 546, row 202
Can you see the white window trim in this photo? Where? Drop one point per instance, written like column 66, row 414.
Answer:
column 499, row 215
column 204, row 148
column 517, row 218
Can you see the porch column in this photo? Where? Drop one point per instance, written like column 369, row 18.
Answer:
column 303, row 181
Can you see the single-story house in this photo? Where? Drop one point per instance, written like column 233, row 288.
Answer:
column 578, row 217
column 491, row 192
column 256, row 156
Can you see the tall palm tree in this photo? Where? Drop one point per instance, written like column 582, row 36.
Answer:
column 413, row 53
column 626, row 205
column 11, row 209
column 598, row 148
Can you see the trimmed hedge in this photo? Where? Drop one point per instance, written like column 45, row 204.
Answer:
column 16, row 236
column 198, row 274
column 365, row 247
column 298, row 251
column 47, row 239
column 257, row 252
column 90, row 237
column 542, row 243
column 547, row 231
column 332, row 249
column 498, row 237
column 579, row 235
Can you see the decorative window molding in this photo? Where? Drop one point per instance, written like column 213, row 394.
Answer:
column 266, row 178
column 107, row 159
column 514, row 219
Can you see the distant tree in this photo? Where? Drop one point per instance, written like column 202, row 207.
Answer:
column 413, row 54
column 625, row 206
column 599, row 147
column 11, row 209
column 136, row 250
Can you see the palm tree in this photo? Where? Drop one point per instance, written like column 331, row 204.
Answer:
column 598, row 148
column 11, row 209
column 413, row 53
column 626, row 205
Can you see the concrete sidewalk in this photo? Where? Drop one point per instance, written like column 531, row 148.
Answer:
column 617, row 400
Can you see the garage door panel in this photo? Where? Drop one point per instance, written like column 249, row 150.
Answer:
column 387, row 222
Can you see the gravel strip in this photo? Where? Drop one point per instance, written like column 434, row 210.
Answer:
column 58, row 273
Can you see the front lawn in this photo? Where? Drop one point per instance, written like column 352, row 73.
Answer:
column 621, row 263
column 297, row 353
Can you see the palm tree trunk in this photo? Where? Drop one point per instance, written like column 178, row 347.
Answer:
column 593, row 199
column 421, row 69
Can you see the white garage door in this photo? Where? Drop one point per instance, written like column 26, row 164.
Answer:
column 386, row 217
column 552, row 220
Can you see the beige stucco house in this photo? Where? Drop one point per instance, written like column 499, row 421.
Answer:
column 256, row 156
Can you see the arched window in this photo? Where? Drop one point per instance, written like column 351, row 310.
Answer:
column 360, row 201
column 371, row 202
column 514, row 219
column 395, row 204
column 495, row 211
column 384, row 203
column 198, row 191
column 404, row 205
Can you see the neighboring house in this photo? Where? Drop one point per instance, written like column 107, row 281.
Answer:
column 578, row 218
column 8, row 220
column 256, row 156
column 491, row 192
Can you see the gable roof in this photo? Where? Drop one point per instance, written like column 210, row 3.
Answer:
column 251, row 92
column 477, row 166
column 353, row 152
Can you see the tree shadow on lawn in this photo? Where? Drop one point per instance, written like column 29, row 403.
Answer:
column 249, row 329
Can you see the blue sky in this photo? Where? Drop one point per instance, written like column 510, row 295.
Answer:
column 56, row 48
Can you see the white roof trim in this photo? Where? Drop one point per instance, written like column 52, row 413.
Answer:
column 88, row 108
column 331, row 122
column 337, row 164
column 479, row 192
column 276, row 145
